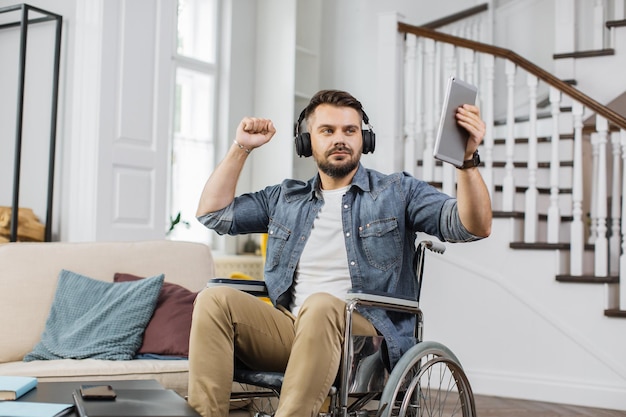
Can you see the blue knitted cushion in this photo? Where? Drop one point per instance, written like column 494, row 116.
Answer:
column 96, row 319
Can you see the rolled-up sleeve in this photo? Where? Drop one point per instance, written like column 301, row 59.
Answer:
column 220, row 221
column 450, row 224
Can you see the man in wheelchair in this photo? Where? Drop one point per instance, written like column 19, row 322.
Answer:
column 347, row 228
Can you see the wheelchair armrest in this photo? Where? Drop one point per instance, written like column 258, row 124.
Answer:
column 254, row 287
column 383, row 299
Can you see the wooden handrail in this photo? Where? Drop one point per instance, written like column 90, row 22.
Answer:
column 532, row 68
column 453, row 18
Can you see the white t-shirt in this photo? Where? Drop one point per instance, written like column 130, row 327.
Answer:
column 323, row 266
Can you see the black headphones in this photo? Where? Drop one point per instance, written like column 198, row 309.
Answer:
column 303, row 139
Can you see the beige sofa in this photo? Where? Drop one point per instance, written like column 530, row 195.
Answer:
column 28, row 278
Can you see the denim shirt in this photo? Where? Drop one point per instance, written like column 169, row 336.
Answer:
column 380, row 216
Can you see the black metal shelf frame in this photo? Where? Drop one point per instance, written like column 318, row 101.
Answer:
column 26, row 19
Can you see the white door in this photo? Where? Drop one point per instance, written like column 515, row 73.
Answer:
column 124, row 196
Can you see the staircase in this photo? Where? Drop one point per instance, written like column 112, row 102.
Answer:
column 553, row 159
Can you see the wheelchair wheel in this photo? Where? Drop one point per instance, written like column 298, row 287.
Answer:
column 427, row 381
column 258, row 401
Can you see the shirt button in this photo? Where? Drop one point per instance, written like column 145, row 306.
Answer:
column 348, row 234
column 345, row 206
column 352, row 263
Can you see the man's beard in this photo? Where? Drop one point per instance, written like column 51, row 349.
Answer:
column 338, row 169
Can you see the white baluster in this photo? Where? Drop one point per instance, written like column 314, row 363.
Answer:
column 554, row 215
column 508, row 183
column 470, row 61
column 487, row 97
column 450, row 68
column 593, row 204
column 429, row 111
column 461, row 57
column 438, row 89
column 410, row 98
column 614, row 242
column 474, row 29
column 467, row 29
column 622, row 258
column 419, row 100
column 618, row 10
column 598, row 24
column 530, row 214
column 448, row 179
column 449, row 61
column 577, row 229
column 601, row 246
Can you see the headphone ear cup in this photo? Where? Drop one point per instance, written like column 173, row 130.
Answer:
column 303, row 145
column 369, row 141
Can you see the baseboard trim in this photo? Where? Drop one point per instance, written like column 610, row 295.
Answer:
column 580, row 393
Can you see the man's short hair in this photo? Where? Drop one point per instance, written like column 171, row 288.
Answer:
column 335, row 98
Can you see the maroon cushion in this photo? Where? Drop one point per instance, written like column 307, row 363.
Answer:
column 167, row 332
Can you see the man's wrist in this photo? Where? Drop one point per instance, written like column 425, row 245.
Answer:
column 243, row 148
column 473, row 162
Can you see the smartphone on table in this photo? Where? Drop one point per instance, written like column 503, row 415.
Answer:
column 97, row 392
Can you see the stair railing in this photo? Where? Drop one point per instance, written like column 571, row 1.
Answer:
column 428, row 57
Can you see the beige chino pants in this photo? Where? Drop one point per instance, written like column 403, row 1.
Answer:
column 228, row 323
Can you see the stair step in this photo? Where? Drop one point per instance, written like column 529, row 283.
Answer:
column 562, row 136
column 516, row 164
column 519, row 164
column 564, row 219
column 420, row 162
column 540, row 115
column 585, row 54
column 589, row 247
column 508, row 214
column 540, row 246
column 615, row 23
column 520, row 215
column 588, row 279
column 540, row 190
column 613, row 312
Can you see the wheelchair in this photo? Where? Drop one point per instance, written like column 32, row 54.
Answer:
column 428, row 380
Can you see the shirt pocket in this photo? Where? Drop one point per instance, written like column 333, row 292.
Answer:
column 382, row 243
column 277, row 237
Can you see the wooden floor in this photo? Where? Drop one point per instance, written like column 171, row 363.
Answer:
column 507, row 407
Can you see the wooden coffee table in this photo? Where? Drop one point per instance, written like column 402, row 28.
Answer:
column 61, row 392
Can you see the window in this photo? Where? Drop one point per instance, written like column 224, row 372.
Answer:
column 194, row 114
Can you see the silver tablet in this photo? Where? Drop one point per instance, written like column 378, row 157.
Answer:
column 451, row 139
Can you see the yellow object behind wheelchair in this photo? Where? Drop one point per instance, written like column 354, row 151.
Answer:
column 242, row 275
